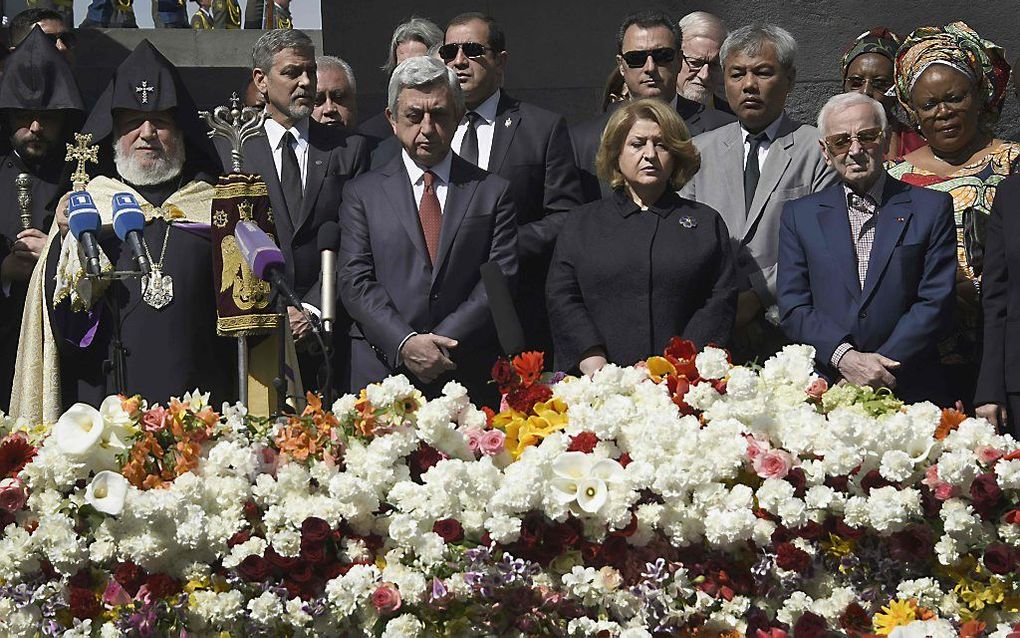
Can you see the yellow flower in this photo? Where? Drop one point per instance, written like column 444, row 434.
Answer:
column 898, row 614
column 838, row 547
column 659, row 368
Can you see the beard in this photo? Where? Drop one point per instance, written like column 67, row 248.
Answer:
column 298, row 111
column 162, row 168
column 696, row 92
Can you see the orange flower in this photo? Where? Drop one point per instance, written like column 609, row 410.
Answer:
column 528, row 366
column 972, row 629
column 951, row 420
column 314, row 404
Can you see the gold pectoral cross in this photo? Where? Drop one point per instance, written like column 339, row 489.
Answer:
column 82, row 152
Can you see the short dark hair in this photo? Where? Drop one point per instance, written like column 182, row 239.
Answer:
column 21, row 24
column 497, row 39
column 647, row 19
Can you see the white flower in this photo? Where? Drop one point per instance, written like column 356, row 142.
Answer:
column 712, row 363
column 106, row 492
column 403, row 626
column 937, row 628
column 582, row 480
column 79, row 430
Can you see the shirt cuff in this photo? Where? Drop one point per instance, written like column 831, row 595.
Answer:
column 837, row 354
column 400, row 348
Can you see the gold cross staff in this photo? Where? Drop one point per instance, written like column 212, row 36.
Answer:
column 82, row 151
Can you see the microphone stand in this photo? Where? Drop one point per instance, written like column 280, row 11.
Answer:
column 326, row 368
column 280, row 382
column 117, row 361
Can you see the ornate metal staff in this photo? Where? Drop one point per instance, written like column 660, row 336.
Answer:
column 23, row 186
column 82, row 152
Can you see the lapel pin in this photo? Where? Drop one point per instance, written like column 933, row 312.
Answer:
column 318, row 162
column 688, row 222
column 507, row 123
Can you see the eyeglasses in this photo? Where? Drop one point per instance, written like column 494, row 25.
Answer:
column 697, row 64
column 840, row 143
column 856, row 83
column 636, row 59
column 67, row 38
column 448, row 52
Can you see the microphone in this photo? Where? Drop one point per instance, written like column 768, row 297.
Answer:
column 129, row 223
column 265, row 259
column 504, row 313
column 329, row 239
column 84, row 222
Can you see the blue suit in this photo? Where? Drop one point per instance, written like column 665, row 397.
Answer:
column 906, row 304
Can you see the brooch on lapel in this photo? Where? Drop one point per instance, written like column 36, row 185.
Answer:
column 687, row 221
column 507, row 123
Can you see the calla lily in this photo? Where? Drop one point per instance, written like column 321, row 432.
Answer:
column 106, row 492
column 79, row 430
column 582, row 480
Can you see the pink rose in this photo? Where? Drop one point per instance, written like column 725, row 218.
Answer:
column 492, row 442
column 266, row 461
column 386, row 598
column 945, row 491
column 755, row 449
column 13, row 494
column 773, row 464
column 155, row 419
column 988, row 455
column 115, row 594
column 817, row 388
column 474, row 437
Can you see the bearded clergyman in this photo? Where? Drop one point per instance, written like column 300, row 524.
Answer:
column 152, row 145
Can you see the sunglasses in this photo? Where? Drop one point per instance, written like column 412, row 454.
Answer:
column 840, row 143
column 636, row 59
column 448, row 52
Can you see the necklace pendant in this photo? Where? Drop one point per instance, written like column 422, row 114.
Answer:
column 157, row 288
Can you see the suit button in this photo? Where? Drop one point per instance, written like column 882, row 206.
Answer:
column 862, row 315
column 434, row 296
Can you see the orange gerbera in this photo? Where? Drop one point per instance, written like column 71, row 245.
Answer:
column 951, row 420
column 528, row 366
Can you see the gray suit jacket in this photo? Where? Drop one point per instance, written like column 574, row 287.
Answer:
column 389, row 286
column 794, row 167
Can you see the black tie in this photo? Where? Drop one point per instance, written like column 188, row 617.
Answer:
column 290, row 177
column 469, row 145
column 751, row 170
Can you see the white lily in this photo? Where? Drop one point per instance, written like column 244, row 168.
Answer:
column 106, row 492
column 583, row 480
column 79, row 430
column 196, row 400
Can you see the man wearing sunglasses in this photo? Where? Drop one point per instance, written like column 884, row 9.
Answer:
column 867, row 266
column 526, row 145
column 648, row 56
column 52, row 25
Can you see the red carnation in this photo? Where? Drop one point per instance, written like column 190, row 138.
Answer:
column 85, row 604
column 254, row 569
column 315, row 530
column 810, row 625
column 524, row 399
column 624, row 460
column 15, row 453
column 913, row 544
column 873, row 480
column 1000, row 559
column 985, row 493
column 503, row 374
column 130, row 577
column 792, row 558
column 583, row 442
column 162, row 586
column 450, row 529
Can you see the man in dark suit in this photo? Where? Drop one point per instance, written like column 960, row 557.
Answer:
column 303, row 163
column 527, row 145
column 867, row 267
column 648, row 54
column 414, row 234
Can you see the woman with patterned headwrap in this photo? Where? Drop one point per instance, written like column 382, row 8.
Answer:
column 952, row 83
column 868, row 68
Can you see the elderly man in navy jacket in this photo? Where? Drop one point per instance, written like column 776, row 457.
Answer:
column 867, row 267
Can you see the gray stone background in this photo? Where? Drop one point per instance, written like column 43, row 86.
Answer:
column 560, row 51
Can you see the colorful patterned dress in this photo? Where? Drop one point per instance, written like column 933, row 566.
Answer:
column 973, row 188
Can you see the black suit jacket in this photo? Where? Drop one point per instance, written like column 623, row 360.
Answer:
column 334, row 157
column 389, row 286
column 587, row 136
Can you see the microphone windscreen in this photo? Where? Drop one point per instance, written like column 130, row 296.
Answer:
column 329, row 236
column 82, row 214
column 504, row 314
column 127, row 215
column 258, row 250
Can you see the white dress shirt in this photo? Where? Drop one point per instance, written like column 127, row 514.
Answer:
column 485, row 128
column 275, row 131
column 771, row 131
column 416, row 173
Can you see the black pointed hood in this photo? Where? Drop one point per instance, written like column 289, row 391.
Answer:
column 147, row 81
column 38, row 78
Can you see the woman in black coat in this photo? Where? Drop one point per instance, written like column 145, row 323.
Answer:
column 642, row 265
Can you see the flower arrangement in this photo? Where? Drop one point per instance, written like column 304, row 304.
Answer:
column 683, row 496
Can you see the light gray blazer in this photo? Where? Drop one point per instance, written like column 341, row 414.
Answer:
column 794, row 167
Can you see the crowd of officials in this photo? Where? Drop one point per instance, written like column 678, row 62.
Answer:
column 693, row 205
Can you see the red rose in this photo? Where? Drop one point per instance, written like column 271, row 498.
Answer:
column 503, row 374
column 985, row 494
column 846, row 531
column 241, row 537
column 1000, row 559
column 386, row 598
column 313, row 553
column 302, row 572
column 254, row 569
column 810, row 625
column 872, row 481
column 315, row 530
column 798, row 479
column 583, row 442
column 590, row 552
column 450, row 529
column 532, row 532
column 85, row 604
column 565, row 534
column 811, row 531
column 792, row 558
column 423, row 459
column 161, row 585
column 624, row 460
column 1012, row 517
column 854, row 620
column 329, row 570
column 252, row 511
column 913, row 544
column 130, row 577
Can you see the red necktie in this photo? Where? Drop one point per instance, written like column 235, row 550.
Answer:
column 430, row 215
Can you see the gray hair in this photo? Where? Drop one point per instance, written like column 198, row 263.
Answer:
column 702, row 23
column 417, row 29
column 333, row 62
column 843, row 101
column 275, row 40
column 750, row 39
column 423, row 71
